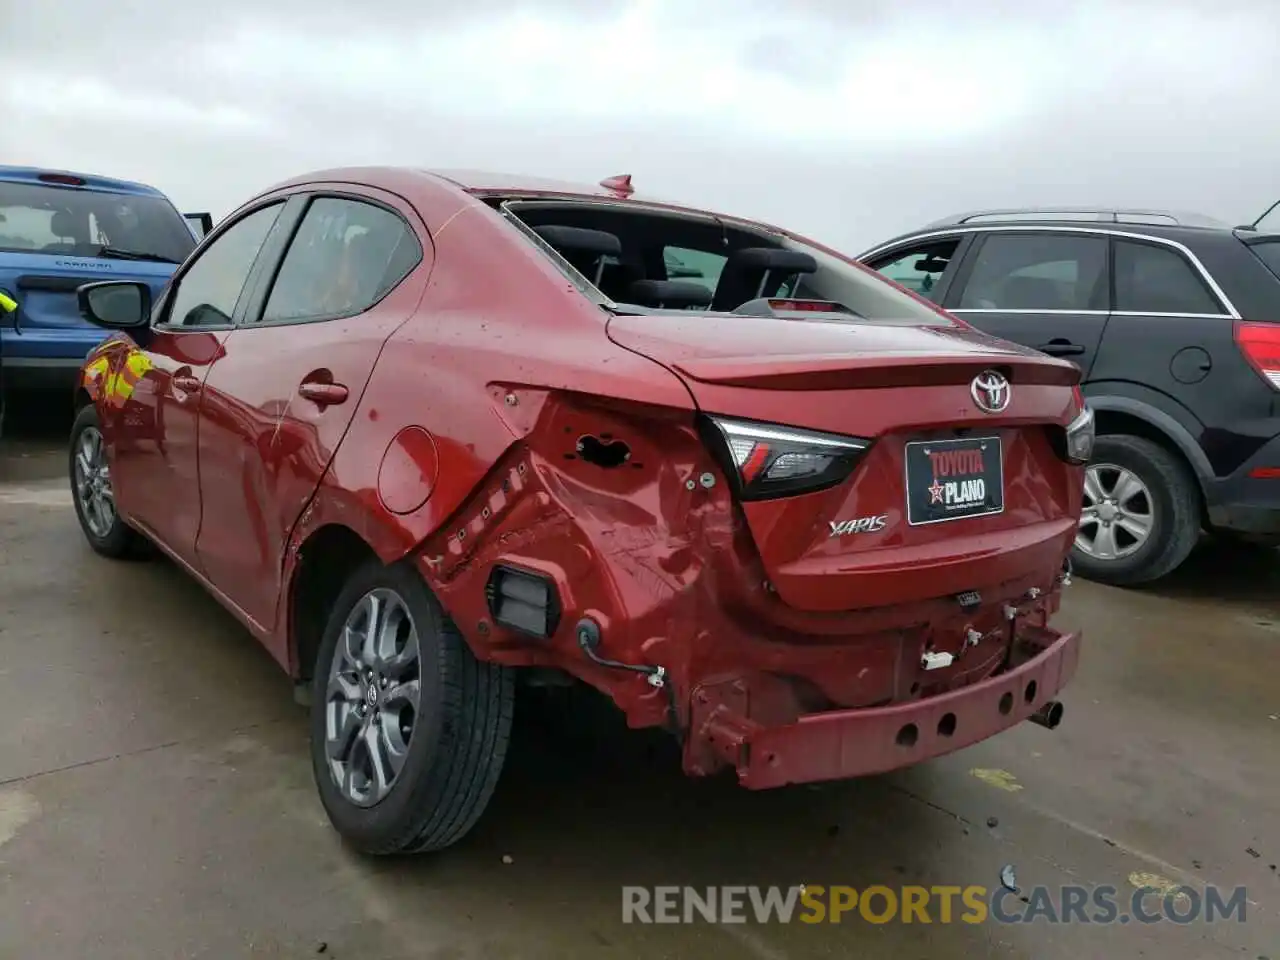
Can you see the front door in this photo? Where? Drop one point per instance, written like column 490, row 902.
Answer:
column 280, row 401
column 1047, row 290
column 155, row 438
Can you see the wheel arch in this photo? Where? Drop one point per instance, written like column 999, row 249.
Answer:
column 326, row 559
column 1125, row 415
column 1128, row 415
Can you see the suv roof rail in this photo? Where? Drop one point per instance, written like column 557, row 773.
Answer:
column 1082, row 214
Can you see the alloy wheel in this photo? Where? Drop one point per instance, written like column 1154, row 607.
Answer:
column 372, row 697
column 1118, row 514
column 93, row 483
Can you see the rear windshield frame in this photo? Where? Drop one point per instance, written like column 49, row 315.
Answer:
column 831, row 266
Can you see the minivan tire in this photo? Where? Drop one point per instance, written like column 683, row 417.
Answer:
column 1175, row 512
column 458, row 741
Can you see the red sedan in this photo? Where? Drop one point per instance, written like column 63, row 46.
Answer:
column 427, row 434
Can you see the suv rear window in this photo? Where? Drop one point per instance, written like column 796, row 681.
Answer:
column 42, row 219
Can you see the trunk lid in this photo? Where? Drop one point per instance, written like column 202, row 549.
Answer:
column 946, row 498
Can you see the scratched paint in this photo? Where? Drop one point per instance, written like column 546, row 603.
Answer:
column 1000, row 779
column 1140, row 880
column 17, row 809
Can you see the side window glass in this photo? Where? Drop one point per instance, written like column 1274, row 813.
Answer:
column 1156, row 279
column 694, row 266
column 1037, row 272
column 920, row 268
column 346, row 256
column 207, row 293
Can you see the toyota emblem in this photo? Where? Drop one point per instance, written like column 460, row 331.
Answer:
column 990, row 391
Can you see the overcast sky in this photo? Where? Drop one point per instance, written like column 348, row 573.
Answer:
column 848, row 120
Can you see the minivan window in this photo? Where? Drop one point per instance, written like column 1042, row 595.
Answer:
column 694, row 266
column 38, row 218
column 1156, row 279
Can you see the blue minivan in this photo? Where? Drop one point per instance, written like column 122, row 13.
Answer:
column 59, row 230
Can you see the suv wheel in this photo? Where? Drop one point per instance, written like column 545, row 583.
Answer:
column 408, row 730
column 93, row 495
column 1141, row 514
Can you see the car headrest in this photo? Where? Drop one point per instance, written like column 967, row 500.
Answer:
column 773, row 258
column 579, row 238
column 676, row 294
column 64, row 223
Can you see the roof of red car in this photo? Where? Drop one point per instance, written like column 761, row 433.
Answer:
column 480, row 181
column 484, row 181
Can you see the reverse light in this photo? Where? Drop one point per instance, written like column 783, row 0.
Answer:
column 770, row 460
column 1260, row 344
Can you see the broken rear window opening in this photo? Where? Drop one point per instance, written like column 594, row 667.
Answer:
column 36, row 218
column 633, row 259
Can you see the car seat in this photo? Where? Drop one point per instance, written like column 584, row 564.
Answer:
column 756, row 272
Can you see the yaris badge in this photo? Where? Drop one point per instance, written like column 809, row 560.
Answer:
column 990, row 391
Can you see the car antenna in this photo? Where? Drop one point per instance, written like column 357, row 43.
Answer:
column 1265, row 214
column 620, row 184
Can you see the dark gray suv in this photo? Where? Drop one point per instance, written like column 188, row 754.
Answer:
column 1174, row 320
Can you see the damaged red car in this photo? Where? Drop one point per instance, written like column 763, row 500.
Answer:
column 427, row 434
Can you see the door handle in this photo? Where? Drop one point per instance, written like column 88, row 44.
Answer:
column 322, row 394
column 1061, row 348
column 186, row 381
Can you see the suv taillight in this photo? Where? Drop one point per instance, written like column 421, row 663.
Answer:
column 1260, row 344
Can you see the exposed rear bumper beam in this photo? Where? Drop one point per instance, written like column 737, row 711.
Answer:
column 841, row 744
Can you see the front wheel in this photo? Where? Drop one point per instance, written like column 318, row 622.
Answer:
column 409, row 731
column 93, row 494
column 1141, row 515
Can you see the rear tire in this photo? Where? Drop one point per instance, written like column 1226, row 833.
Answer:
column 93, row 495
column 1162, row 498
column 444, row 745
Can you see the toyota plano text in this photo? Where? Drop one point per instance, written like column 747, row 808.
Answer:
column 430, row 435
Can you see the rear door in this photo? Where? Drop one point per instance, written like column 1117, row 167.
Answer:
column 279, row 402
column 1044, row 289
column 1169, row 331
column 926, row 267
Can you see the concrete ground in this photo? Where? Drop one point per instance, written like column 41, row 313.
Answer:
column 156, row 798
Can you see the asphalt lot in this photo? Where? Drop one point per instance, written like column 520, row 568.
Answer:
column 156, row 798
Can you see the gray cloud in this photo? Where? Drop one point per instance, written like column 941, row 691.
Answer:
column 954, row 107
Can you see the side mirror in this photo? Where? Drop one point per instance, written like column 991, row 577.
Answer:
column 115, row 304
column 200, row 224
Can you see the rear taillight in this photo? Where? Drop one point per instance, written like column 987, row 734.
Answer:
column 1260, row 344
column 1080, row 435
column 766, row 460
